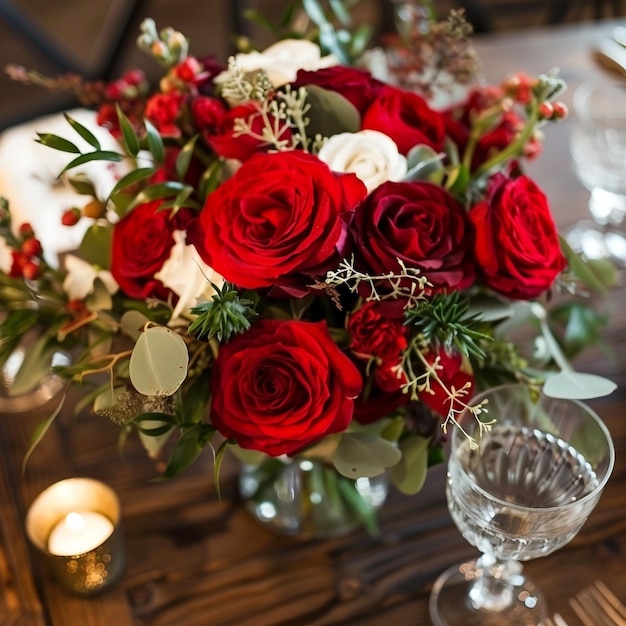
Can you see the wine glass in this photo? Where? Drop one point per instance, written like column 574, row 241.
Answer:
column 598, row 150
column 523, row 492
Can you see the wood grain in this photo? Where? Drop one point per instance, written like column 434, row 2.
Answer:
column 196, row 560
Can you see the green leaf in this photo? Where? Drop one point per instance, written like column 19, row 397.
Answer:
column 83, row 131
column 330, row 113
column 134, row 176
column 158, row 363
column 95, row 247
column 578, row 386
column 184, row 453
column 184, row 158
column 409, row 474
column 130, row 140
column 210, row 179
column 157, row 192
column 155, row 142
column 82, row 185
column 595, row 276
column 423, row 163
column 36, row 366
column 41, row 431
column 103, row 155
column 56, row 142
column 133, row 323
column 364, row 454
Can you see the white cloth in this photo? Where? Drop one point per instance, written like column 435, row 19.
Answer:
column 29, row 178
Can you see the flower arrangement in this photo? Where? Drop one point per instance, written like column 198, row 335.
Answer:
column 302, row 259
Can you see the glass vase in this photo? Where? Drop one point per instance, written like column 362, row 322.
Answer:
column 308, row 499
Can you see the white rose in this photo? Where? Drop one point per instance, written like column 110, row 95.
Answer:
column 282, row 60
column 187, row 275
column 370, row 154
column 81, row 276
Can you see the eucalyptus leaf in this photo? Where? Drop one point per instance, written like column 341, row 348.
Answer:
column 409, row 474
column 133, row 323
column 158, row 363
column 578, row 386
column 423, row 163
column 364, row 454
column 330, row 113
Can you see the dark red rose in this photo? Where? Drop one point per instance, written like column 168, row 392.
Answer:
column 279, row 221
column 453, row 374
column 406, row 118
column 420, row 224
column 374, row 334
column 162, row 111
column 357, row 86
column 230, row 144
column 517, row 245
column 142, row 241
column 207, row 113
column 281, row 386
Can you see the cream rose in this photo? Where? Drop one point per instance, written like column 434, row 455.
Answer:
column 81, row 276
column 369, row 154
column 281, row 61
column 187, row 276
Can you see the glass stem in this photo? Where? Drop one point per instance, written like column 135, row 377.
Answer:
column 494, row 588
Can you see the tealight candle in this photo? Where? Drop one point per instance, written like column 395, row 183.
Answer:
column 75, row 524
column 78, row 533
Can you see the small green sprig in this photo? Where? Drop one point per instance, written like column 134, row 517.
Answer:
column 445, row 320
column 226, row 315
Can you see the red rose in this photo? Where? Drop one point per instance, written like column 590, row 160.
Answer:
column 162, row 111
column 452, row 375
column 142, row 241
column 280, row 220
column 517, row 245
column 207, row 113
column 420, row 224
column 281, row 386
column 374, row 334
column 406, row 118
column 357, row 86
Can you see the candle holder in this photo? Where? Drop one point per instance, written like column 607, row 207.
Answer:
column 75, row 524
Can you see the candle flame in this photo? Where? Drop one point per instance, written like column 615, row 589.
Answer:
column 75, row 522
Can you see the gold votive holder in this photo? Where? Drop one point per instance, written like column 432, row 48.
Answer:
column 76, row 525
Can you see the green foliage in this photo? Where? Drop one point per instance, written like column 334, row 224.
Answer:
column 158, row 363
column 446, row 320
column 226, row 315
column 364, row 454
column 409, row 474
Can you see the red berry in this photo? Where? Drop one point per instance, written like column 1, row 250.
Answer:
column 30, row 270
column 546, row 111
column 32, row 247
column 71, row 217
column 560, row 110
column 26, row 230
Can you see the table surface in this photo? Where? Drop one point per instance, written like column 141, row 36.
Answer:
column 195, row 560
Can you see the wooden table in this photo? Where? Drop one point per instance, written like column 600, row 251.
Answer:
column 196, row 561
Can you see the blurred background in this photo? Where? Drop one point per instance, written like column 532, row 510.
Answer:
column 97, row 37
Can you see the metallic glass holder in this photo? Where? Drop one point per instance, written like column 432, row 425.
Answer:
column 91, row 572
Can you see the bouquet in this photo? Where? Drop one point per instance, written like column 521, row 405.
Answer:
column 301, row 259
